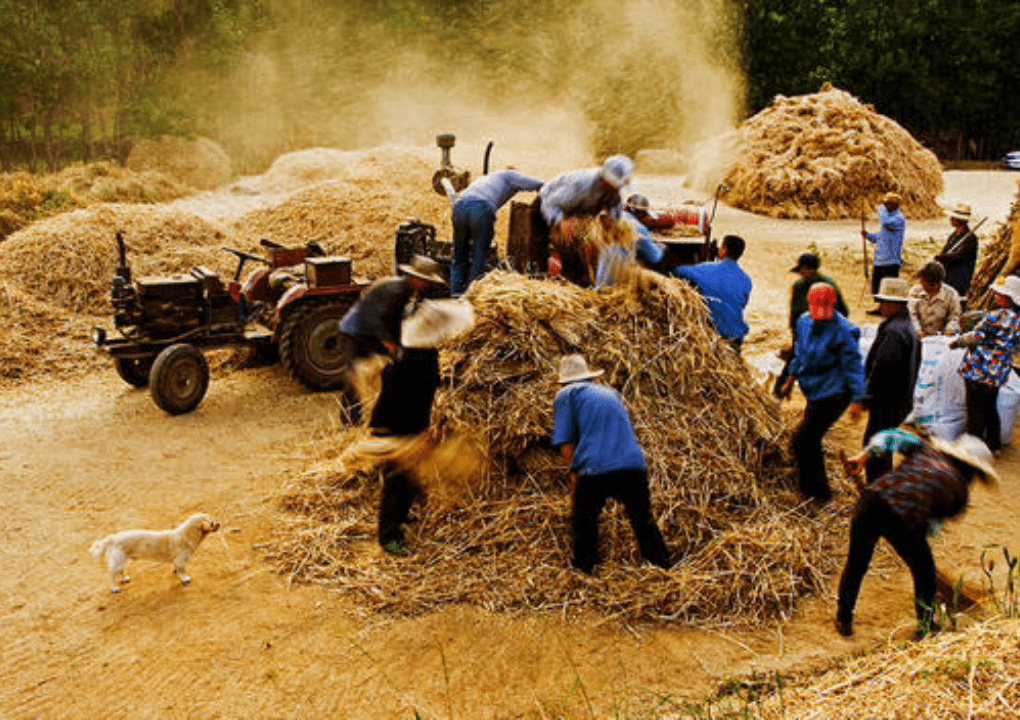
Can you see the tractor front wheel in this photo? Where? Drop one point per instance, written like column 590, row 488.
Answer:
column 310, row 343
column 134, row 371
column 179, row 378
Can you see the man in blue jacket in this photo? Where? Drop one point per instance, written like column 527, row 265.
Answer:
column 888, row 242
column 827, row 363
column 596, row 438
column 725, row 287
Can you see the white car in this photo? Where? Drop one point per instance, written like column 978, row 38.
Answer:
column 1011, row 160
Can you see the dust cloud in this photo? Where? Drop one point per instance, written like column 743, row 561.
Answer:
column 553, row 84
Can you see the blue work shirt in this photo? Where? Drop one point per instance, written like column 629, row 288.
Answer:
column 726, row 289
column 889, row 239
column 496, row 189
column 578, row 192
column 827, row 358
column 593, row 419
column 646, row 248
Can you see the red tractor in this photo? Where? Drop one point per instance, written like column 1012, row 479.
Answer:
column 292, row 306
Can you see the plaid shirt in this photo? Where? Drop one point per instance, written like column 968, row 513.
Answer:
column 990, row 360
column 926, row 486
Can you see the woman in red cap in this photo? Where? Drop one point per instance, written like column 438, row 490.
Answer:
column 828, row 365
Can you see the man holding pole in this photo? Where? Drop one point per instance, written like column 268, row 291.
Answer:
column 888, row 242
column 959, row 254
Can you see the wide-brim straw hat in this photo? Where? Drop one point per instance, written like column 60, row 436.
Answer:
column 893, row 290
column 573, row 368
column 971, row 450
column 1010, row 287
column 436, row 321
column 961, row 211
column 425, row 268
column 891, row 197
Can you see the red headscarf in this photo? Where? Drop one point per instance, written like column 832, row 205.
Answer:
column 822, row 301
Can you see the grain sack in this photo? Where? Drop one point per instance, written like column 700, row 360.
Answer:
column 828, row 156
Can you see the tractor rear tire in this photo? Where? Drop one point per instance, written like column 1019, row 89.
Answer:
column 310, row 343
column 179, row 379
column 134, row 371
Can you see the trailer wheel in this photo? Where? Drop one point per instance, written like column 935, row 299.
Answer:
column 310, row 343
column 179, row 379
column 134, row 371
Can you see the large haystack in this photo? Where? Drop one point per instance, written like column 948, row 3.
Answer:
column 746, row 549
column 198, row 162
column 828, row 156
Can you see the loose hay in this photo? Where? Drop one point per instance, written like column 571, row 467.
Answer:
column 973, row 673
column 746, row 549
column 828, row 156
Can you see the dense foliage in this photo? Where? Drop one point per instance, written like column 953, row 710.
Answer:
column 80, row 79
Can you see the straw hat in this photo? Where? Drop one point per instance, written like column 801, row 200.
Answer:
column 894, row 290
column 1010, row 287
column 425, row 268
column 435, row 321
column 617, row 170
column 573, row 368
column 891, row 197
column 971, row 450
column 960, row 211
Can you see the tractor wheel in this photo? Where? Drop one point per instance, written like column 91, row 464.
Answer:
column 134, row 371
column 179, row 378
column 310, row 346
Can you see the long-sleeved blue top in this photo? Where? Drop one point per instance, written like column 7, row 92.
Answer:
column 726, row 289
column 593, row 419
column 827, row 358
column 497, row 188
column 646, row 248
column 889, row 239
column 578, row 192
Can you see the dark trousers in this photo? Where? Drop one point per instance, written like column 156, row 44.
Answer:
column 629, row 487
column 819, row 416
column 873, row 519
column 474, row 227
column 983, row 413
column 882, row 271
column 399, row 491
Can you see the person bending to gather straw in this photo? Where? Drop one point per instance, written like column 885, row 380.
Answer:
column 596, row 438
column 931, row 483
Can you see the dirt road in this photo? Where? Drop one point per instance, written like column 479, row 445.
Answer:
column 86, row 456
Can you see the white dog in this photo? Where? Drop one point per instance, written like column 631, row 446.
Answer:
column 172, row 546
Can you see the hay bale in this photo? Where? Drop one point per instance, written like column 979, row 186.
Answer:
column 828, row 156
column 721, row 488
column 199, row 162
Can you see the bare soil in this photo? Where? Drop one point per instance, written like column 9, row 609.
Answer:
column 84, row 456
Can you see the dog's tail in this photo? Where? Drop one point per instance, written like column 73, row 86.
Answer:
column 99, row 547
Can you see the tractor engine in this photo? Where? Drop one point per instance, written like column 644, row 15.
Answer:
column 158, row 307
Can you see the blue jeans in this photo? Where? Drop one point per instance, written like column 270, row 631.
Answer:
column 474, row 226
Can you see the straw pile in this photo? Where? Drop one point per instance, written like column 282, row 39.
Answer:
column 1000, row 255
column 973, row 673
column 828, row 156
column 68, row 260
column 746, row 549
column 198, row 162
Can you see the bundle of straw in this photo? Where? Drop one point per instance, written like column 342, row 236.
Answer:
column 999, row 256
column 828, row 156
column 721, row 491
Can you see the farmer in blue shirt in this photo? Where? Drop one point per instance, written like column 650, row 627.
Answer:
column 888, row 242
column 595, row 436
column 725, row 287
column 474, row 222
column 827, row 362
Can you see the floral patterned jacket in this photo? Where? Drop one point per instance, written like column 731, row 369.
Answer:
column 992, row 344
